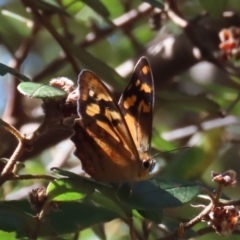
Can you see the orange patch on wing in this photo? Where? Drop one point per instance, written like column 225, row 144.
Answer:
column 102, row 96
column 130, row 101
column 112, row 115
column 137, row 83
column 92, row 109
column 142, row 107
column 145, row 70
column 146, row 88
column 108, row 129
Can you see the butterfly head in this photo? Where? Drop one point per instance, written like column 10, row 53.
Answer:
column 149, row 164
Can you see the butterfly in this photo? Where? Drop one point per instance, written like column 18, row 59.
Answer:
column 113, row 139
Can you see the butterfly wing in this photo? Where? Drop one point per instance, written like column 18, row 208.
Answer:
column 101, row 155
column 136, row 104
column 102, row 138
column 97, row 106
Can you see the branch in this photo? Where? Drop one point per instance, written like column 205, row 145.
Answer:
column 13, row 113
column 123, row 22
column 46, row 23
column 207, row 125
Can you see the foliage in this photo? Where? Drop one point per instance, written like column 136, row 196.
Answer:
column 195, row 131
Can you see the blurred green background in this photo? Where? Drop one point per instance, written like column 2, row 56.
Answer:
column 49, row 39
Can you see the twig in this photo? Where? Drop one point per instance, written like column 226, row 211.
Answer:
column 23, row 144
column 131, row 228
column 184, row 226
column 218, row 193
column 11, row 162
column 199, row 217
column 13, row 112
column 30, row 176
column 64, row 24
column 12, row 130
column 55, row 34
column 196, row 33
column 207, row 125
column 123, row 22
column 230, row 202
column 40, row 218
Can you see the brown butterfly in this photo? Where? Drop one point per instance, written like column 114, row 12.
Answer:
column 113, row 140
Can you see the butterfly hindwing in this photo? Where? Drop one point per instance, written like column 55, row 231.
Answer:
column 136, row 104
column 100, row 154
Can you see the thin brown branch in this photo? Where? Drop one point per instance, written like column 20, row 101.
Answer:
column 14, row 113
column 23, row 144
column 123, row 22
column 199, row 217
column 47, row 24
column 230, row 202
column 40, row 218
column 199, row 35
column 218, row 193
column 132, row 230
column 11, row 162
column 12, row 130
column 64, row 24
column 30, row 177
column 174, row 13
column 206, row 125
column 184, row 226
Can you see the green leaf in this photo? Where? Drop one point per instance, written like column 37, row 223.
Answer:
column 8, row 236
column 66, row 173
column 155, row 3
column 39, row 90
column 213, row 7
column 49, row 6
column 98, row 7
column 235, row 79
column 79, row 178
column 156, row 195
column 155, row 216
column 15, row 220
column 145, row 196
column 69, row 189
column 4, row 69
column 184, row 191
column 74, row 216
column 108, row 202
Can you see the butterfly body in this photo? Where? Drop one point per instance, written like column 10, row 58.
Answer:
column 113, row 139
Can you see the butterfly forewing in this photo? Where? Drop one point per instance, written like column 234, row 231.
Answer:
column 98, row 107
column 136, row 104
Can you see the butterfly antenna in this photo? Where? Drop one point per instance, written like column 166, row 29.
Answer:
column 177, row 149
column 173, row 150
